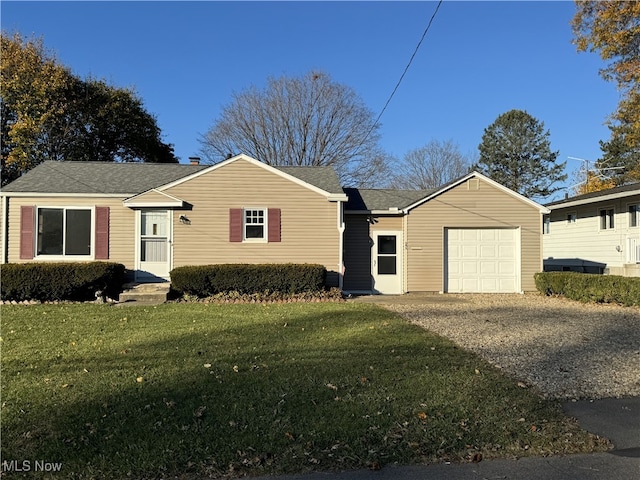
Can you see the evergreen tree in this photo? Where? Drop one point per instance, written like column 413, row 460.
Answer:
column 516, row 152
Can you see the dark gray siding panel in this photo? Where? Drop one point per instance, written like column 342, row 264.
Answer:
column 357, row 254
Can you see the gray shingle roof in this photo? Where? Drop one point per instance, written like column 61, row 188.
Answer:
column 134, row 178
column 367, row 199
column 634, row 187
column 324, row 178
column 99, row 177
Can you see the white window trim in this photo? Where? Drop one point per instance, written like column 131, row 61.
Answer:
column 613, row 216
column 57, row 258
column 265, row 232
column 637, row 205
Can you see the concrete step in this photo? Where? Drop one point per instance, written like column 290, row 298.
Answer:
column 145, row 293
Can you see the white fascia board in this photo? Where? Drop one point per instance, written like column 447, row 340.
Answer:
column 338, row 198
column 497, row 185
column 253, row 161
column 74, row 195
column 153, row 204
column 602, row 198
column 390, row 211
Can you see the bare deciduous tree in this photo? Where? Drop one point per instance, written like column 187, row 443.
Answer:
column 431, row 166
column 308, row 120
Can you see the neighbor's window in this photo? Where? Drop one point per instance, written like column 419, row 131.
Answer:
column 255, row 224
column 606, row 218
column 572, row 217
column 634, row 215
column 64, row 231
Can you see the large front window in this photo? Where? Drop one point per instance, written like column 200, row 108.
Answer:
column 64, row 231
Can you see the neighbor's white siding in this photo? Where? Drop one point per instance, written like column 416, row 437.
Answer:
column 586, row 240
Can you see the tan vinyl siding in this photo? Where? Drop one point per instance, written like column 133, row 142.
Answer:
column 152, row 197
column 462, row 206
column 387, row 223
column 309, row 222
column 121, row 224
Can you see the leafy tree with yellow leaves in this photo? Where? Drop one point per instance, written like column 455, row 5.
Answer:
column 50, row 114
column 612, row 28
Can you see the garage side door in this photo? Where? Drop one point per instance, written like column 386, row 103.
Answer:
column 482, row 260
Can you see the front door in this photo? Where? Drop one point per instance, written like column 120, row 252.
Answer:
column 386, row 256
column 154, row 242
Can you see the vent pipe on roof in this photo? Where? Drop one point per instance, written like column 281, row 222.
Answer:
column 194, row 160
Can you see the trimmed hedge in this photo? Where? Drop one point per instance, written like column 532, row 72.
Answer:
column 587, row 287
column 61, row 281
column 208, row 280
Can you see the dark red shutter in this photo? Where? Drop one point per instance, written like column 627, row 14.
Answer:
column 27, row 226
column 235, row 224
column 273, row 225
column 102, row 233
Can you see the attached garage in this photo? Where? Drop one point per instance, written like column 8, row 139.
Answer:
column 482, row 260
column 472, row 235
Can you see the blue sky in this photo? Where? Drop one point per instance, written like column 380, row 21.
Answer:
column 478, row 60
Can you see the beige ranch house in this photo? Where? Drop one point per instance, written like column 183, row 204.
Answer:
column 471, row 235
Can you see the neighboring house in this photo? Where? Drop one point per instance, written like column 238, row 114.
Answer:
column 597, row 232
column 472, row 235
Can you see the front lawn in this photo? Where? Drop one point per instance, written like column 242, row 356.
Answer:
column 212, row 390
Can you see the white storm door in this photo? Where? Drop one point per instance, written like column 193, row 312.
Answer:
column 482, row 260
column 154, row 245
column 386, row 258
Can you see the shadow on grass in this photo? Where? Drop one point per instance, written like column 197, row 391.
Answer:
column 265, row 390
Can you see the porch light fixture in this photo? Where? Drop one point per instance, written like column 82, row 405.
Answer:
column 184, row 220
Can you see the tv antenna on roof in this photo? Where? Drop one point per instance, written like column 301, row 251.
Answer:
column 599, row 173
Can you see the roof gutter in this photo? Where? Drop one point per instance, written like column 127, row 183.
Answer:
column 59, row 194
column 602, row 198
column 389, row 211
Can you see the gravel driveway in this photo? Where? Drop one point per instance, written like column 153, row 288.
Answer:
column 569, row 350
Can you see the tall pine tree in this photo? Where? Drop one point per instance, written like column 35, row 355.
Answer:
column 516, row 152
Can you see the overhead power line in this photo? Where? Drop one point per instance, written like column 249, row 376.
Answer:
column 424, row 34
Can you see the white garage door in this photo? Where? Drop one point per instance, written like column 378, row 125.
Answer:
column 482, row 260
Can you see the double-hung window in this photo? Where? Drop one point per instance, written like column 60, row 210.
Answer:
column 255, row 226
column 606, row 218
column 64, row 231
column 634, row 215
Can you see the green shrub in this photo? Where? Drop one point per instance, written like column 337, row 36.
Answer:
column 61, row 281
column 207, row 280
column 587, row 287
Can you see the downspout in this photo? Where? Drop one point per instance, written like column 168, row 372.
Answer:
column 5, row 230
column 405, row 253
column 341, row 228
